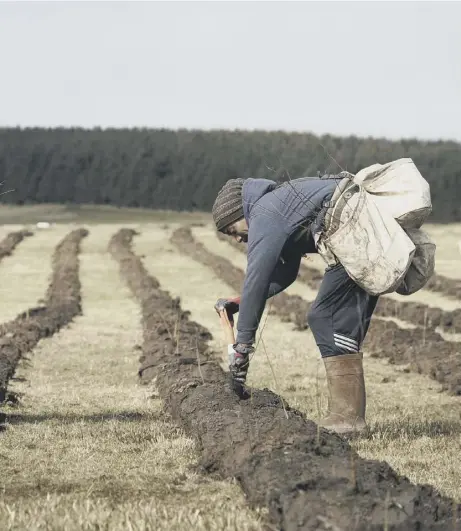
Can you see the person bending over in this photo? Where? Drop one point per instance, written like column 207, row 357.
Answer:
column 280, row 224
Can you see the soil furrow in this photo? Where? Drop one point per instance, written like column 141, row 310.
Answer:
column 11, row 240
column 450, row 287
column 424, row 350
column 307, row 477
column 62, row 304
column 155, row 304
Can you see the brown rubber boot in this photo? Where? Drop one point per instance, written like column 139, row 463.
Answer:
column 347, row 398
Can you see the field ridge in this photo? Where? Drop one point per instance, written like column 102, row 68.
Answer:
column 62, row 304
column 11, row 241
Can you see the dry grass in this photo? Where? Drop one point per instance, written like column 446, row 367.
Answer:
column 447, row 238
column 25, row 273
column 88, row 448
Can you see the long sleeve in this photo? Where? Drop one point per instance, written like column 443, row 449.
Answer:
column 273, row 214
column 283, row 276
column 265, row 244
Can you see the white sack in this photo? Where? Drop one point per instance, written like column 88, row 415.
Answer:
column 370, row 244
column 423, row 263
column 399, row 189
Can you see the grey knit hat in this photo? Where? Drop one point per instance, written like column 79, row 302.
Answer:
column 228, row 206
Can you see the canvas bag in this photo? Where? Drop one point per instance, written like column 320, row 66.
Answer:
column 399, row 189
column 372, row 247
column 422, row 265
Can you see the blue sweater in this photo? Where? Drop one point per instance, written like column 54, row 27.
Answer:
column 275, row 214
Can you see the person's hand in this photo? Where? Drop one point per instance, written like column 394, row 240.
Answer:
column 230, row 306
column 239, row 361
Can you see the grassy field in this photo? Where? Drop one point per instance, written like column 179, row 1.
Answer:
column 88, row 447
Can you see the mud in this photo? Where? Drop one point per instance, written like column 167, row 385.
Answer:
column 422, row 349
column 11, row 240
column 420, row 314
column 445, row 285
column 306, row 477
column 171, row 323
column 62, row 304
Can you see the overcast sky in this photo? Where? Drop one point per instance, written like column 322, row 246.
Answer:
column 366, row 68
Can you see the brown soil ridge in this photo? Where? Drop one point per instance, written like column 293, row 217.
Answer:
column 11, row 240
column 306, row 477
column 413, row 312
column 62, row 304
column 450, row 287
column 424, row 350
column 289, row 308
column 155, row 304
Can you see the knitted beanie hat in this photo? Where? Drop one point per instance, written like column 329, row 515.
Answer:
column 228, row 206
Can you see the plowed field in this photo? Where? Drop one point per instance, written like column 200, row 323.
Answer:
column 117, row 413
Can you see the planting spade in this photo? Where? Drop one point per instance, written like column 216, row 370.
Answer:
column 227, row 327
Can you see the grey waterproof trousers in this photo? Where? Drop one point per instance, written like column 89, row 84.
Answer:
column 340, row 315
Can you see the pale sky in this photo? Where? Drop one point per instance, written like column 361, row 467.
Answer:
column 366, row 68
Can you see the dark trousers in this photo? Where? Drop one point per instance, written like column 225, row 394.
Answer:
column 340, row 315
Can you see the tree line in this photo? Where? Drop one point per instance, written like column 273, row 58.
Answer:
column 184, row 169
